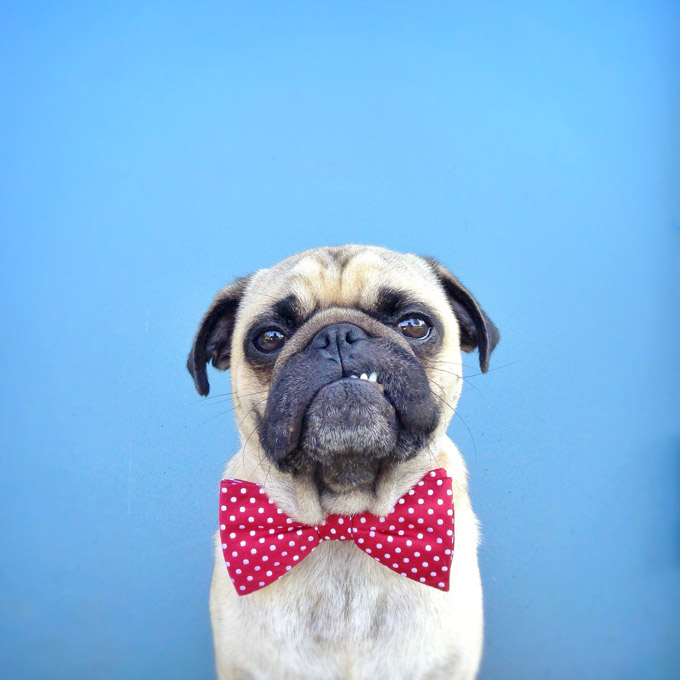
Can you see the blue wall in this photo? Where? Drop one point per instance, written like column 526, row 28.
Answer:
column 152, row 152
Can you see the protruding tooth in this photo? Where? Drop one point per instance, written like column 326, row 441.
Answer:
column 373, row 377
column 354, row 376
column 364, row 376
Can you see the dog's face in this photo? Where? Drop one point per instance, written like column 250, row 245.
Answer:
column 345, row 361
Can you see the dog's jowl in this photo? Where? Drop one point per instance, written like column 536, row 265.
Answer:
column 347, row 545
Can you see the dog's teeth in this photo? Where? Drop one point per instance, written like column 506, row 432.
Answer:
column 373, row 377
column 354, row 376
column 364, row 376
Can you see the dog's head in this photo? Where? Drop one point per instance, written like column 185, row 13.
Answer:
column 345, row 361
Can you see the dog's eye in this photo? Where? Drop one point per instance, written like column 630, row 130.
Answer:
column 270, row 341
column 414, row 327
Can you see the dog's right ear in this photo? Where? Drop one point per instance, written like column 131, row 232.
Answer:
column 213, row 338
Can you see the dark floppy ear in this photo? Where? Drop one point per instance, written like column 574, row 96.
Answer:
column 213, row 338
column 476, row 328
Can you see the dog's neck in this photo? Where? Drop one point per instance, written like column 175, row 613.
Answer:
column 301, row 499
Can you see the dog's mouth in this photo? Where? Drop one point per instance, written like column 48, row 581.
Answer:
column 341, row 415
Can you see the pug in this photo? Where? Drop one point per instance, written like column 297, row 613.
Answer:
column 346, row 369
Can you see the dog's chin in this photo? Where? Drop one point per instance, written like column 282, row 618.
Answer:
column 349, row 432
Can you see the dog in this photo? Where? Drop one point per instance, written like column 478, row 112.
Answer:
column 346, row 369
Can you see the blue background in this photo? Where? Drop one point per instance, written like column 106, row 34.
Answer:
column 150, row 152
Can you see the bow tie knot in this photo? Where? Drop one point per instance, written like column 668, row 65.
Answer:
column 336, row 528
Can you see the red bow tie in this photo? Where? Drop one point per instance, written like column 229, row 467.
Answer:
column 415, row 539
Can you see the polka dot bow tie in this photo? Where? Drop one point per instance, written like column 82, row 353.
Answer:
column 261, row 544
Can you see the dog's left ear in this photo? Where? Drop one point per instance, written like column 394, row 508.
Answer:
column 213, row 338
column 476, row 328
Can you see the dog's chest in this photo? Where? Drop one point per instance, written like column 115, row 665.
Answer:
column 342, row 607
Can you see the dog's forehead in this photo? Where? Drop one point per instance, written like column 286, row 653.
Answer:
column 348, row 276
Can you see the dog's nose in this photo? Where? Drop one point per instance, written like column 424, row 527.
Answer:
column 337, row 342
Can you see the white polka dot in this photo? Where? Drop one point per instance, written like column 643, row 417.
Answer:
column 442, row 585
column 252, row 533
column 428, row 547
column 241, row 587
column 362, row 520
column 425, row 564
column 410, row 511
column 430, row 511
column 433, row 573
column 234, row 554
column 449, row 492
column 439, row 482
column 440, row 521
column 447, row 552
column 288, row 568
column 387, row 556
column 284, row 553
column 401, row 501
column 253, row 551
column 232, row 518
column 261, row 584
column 414, row 570
column 430, row 492
column 440, row 501
column 276, row 564
column 361, row 540
column 252, row 500
column 390, row 539
column 421, row 520
column 371, row 534
column 340, row 520
column 420, row 501
column 436, row 558
column 381, row 519
column 260, row 510
column 405, row 560
column 272, row 547
column 416, row 554
column 265, row 558
column 224, row 489
column 400, row 532
column 249, row 578
column 224, row 507
column 233, row 499
column 411, row 492
column 444, row 568
column 291, row 543
column 243, row 543
column 449, row 513
column 433, row 474
column 242, row 508
column 269, row 573
column 422, row 580
column 449, row 533
column 392, row 527
column 397, row 550
column 296, row 558
column 251, row 519
column 243, row 490
column 378, row 546
column 395, row 565
column 237, row 571
column 270, row 520
column 421, row 483
column 222, row 527
column 262, row 540
column 333, row 531
column 311, row 538
column 439, row 540
column 224, row 547
column 246, row 561
column 409, row 542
